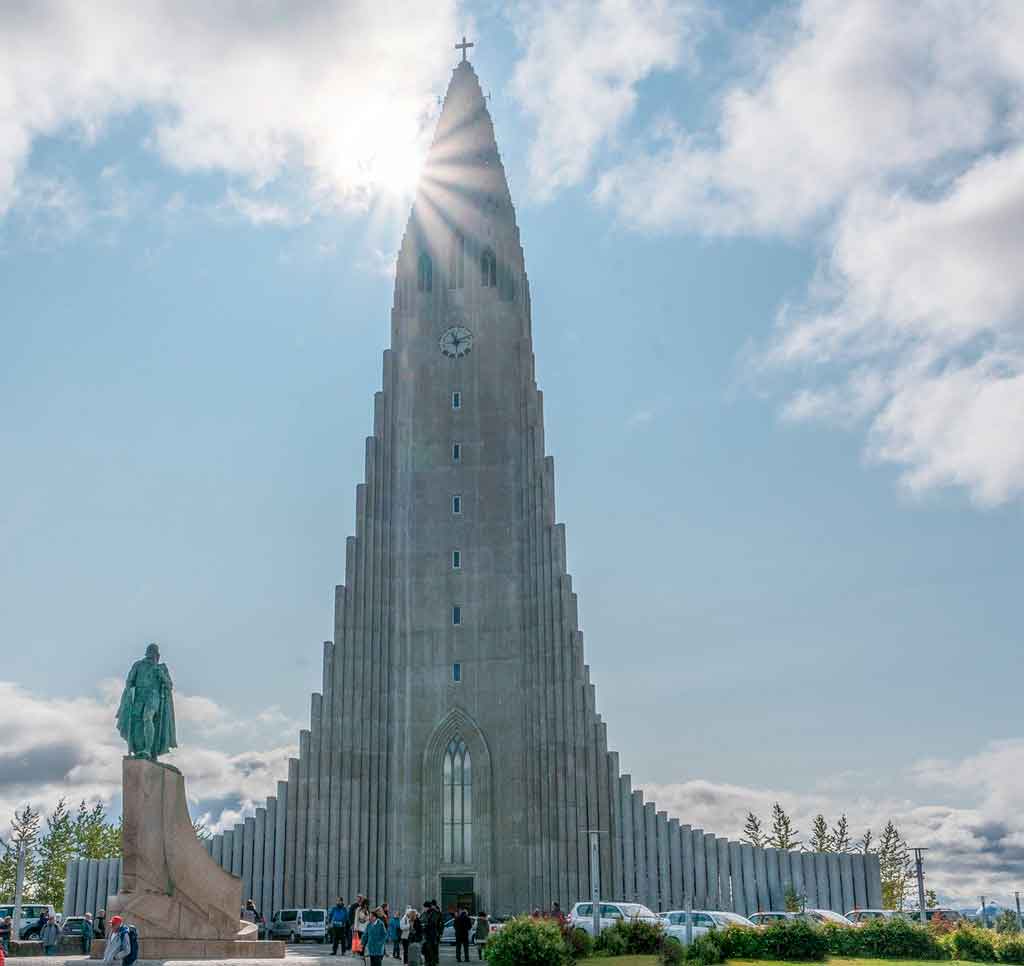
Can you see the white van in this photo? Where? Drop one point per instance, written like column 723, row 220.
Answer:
column 295, row 925
column 30, row 913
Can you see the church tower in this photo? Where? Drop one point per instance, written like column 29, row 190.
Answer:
column 455, row 751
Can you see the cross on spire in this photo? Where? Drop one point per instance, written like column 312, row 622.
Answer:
column 464, row 47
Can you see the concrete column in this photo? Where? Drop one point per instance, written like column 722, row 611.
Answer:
column 302, row 819
column 810, row 880
column 700, row 870
column 846, row 884
column 324, row 882
column 280, row 844
column 248, row 847
column 618, row 832
column 749, row 878
column 604, row 811
column 774, row 880
column 313, row 800
column 629, row 892
column 822, row 877
column 724, row 876
column 592, row 774
column 226, row 853
column 711, row 867
column 651, row 848
column 269, row 822
column 92, row 870
column 835, row 883
column 761, row 878
column 258, row 842
column 675, row 851
column 217, row 849
column 237, row 849
column 113, row 879
column 102, row 873
column 640, row 845
column 289, row 849
column 860, row 883
column 70, row 887
column 796, row 873
column 664, row 866
column 739, row 897
column 872, row 871
column 334, row 852
column 686, row 846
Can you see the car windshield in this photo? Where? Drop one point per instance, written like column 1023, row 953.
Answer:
column 677, row 918
column 831, row 916
column 729, row 918
column 634, row 909
column 312, row 915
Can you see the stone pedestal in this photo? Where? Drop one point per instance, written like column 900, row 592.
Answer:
column 171, row 889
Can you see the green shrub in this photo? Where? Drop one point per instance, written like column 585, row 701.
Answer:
column 794, row 940
column 1010, row 948
column 703, row 951
column 1006, row 921
column 528, row 942
column 633, row 938
column 970, row 942
column 580, row 943
column 896, row 938
column 741, row 942
column 672, row 952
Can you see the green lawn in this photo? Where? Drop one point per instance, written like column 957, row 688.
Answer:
column 831, row 961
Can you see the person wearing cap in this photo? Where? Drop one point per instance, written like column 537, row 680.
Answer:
column 118, row 943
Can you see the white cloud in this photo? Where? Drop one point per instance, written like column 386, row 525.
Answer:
column 892, row 133
column 972, row 849
column 332, row 88
column 70, row 747
column 578, row 75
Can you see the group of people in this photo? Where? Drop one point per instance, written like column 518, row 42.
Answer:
column 50, row 932
column 414, row 937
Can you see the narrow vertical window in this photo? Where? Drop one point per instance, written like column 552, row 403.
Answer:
column 457, row 801
column 488, row 269
column 425, row 275
column 456, row 400
column 456, row 672
column 456, row 560
column 456, row 452
column 456, row 615
column 457, row 262
column 456, row 504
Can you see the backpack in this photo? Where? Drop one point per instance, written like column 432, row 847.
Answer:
column 133, row 946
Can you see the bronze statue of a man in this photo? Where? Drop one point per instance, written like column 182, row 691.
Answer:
column 145, row 718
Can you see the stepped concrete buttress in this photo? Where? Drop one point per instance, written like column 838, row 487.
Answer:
column 183, row 903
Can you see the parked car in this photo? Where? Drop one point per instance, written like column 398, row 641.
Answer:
column 30, row 913
column 73, row 925
column 448, row 933
column 582, row 914
column 296, row 925
column 822, row 916
column 704, row 920
column 764, row 918
column 938, row 914
column 860, row 916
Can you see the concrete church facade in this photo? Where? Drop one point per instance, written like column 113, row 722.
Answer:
column 455, row 750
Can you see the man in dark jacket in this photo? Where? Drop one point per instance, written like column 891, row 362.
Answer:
column 432, row 929
column 462, row 926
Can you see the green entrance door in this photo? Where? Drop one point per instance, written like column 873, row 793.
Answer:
column 457, row 893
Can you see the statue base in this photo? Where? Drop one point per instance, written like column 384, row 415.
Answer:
column 179, row 899
column 171, row 949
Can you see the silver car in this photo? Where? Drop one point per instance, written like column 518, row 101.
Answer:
column 704, row 920
column 582, row 915
column 765, row 918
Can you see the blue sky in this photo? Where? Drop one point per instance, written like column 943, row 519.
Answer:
column 778, row 315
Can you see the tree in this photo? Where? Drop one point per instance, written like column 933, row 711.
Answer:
column 865, row 843
column 841, row 836
column 931, row 900
column 821, row 840
column 94, row 836
column 783, row 835
column 752, row 833
column 202, row 832
column 56, row 847
column 896, row 868
column 24, row 829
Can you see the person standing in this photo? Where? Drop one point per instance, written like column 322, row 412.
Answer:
column 395, row 935
column 338, row 918
column 49, row 936
column 462, row 926
column 375, row 937
column 414, row 941
column 403, row 932
column 5, row 933
column 432, row 929
column 361, row 922
column 482, row 933
column 87, row 933
column 99, row 926
column 118, row 943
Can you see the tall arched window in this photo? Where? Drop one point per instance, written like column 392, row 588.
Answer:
column 457, row 805
column 488, row 269
column 456, row 262
column 425, row 277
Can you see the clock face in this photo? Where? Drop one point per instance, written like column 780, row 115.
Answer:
column 456, row 341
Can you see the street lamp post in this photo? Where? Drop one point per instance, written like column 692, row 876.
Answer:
column 919, row 864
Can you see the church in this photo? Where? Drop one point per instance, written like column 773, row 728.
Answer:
column 455, row 751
